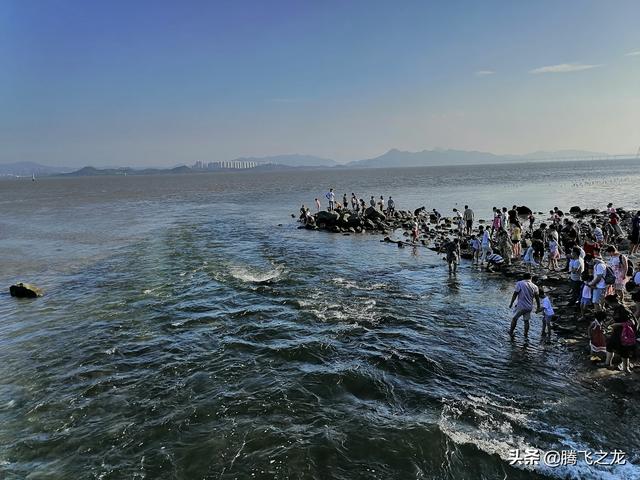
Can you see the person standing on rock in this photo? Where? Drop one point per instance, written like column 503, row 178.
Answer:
column 391, row 206
column 318, row 204
column 597, row 233
column 331, row 197
column 345, row 204
column 516, row 238
column 497, row 221
column 504, row 245
column 363, row 206
column 576, row 268
column 525, row 292
column 468, row 218
column 372, row 202
column 354, row 202
column 598, row 284
column 513, row 215
column 381, row 203
column 485, row 243
column 459, row 221
column 532, row 220
column 619, row 265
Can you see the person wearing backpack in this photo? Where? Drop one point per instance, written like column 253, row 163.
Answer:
column 623, row 337
column 619, row 264
column 601, row 274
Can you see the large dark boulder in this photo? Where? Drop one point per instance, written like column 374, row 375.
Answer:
column 369, row 225
column 523, row 211
column 25, row 290
column 344, row 219
column 373, row 214
column 328, row 218
column 575, row 210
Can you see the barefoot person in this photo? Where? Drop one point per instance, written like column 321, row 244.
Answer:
column 525, row 292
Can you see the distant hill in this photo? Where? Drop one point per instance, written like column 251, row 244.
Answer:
column 398, row 158
column 26, row 169
column 562, row 154
column 293, row 160
column 183, row 169
column 439, row 157
column 95, row 172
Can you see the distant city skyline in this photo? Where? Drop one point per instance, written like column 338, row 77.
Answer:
column 164, row 83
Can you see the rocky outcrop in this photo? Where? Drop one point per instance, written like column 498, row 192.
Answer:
column 25, row 290
column 523, row 211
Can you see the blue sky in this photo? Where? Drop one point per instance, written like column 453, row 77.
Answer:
column 165, row 82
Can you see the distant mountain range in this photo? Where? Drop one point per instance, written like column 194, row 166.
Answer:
column 438, row 157
column 392, row 158
column 26, row 169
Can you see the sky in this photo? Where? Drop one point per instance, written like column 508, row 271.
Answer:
column 164, row 83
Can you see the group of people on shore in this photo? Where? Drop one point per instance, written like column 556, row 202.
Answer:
column 604, row 285
column 358, row 205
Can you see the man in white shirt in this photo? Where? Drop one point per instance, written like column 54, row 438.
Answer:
column 525, row 292
column 598, row 284
column 331, row 197
column 485, row 243
column 598, row 234
column 576, row 267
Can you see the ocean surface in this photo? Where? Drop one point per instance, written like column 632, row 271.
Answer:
column 191, row 331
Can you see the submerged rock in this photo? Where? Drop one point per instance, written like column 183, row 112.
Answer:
column 25, row 290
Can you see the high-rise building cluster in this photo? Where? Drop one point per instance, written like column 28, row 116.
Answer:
column 229, row 164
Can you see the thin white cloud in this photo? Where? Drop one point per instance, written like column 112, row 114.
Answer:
column 635, row 53
column 564, row 68
column 484, row 73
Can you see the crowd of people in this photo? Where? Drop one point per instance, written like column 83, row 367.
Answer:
column 358, row 205
column 603, row 281
column 604, row 285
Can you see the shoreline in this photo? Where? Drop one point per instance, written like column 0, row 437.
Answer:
column 568, row 325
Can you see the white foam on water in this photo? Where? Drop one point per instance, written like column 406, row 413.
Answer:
column 256, row 276
column 496, row 437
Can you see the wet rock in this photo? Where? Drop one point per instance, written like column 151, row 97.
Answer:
column 575, row 210
column 523, row 210
column 25, row 290
column 373, row 214
column 327, row 217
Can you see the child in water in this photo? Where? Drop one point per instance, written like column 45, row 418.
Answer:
column 547, row 313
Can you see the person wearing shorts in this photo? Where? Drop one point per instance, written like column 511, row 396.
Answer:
column 525, row 292
column 598, row 284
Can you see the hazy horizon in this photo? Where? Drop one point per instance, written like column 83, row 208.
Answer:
column 162, row 84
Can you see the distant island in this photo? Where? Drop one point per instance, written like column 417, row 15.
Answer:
column 392, row 159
